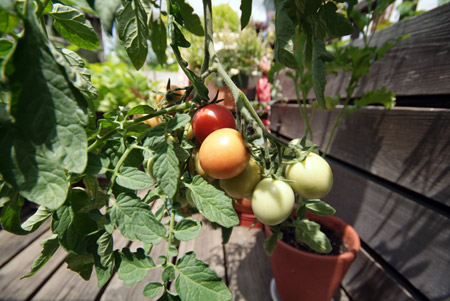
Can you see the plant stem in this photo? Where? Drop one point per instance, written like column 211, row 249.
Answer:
column 169, row 240
column 119, row 164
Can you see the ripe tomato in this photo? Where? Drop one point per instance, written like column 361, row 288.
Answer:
column 223, row 154
column 312, row 178
column 242, row 185
column 272, row 201
column 211, row 118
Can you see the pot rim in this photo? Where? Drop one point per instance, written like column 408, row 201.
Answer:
column 347, row 230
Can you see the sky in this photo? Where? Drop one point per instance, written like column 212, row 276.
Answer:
column 258, row 10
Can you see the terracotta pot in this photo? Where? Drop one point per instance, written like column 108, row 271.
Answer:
column 244, row 210
column 304, row 276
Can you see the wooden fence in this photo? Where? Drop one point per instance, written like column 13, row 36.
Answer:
column 392, row 167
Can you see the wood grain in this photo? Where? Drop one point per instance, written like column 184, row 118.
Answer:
column 11, row 287
column 407, row 146
column 248, row 266
column 419, row 65
column 411, row 238
column 11, row 244
column 65, row 284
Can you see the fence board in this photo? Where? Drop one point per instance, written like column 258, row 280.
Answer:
column 419, row 65
column 407, row 146
column 410, row 237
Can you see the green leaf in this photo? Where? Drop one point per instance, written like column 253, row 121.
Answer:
column 166, row 169
column 187, row 229
column 133, row 31
column 153, row 289
column 81, row 264
column 319, row 71
column 196, row 281
column 168, row 296
column 141, row 109
column 10, row 214
column 158, row 37
column 246, row 12
column 106, row 10
column 381, row 96
column 337, row 24
column 5, row 47
column 309, row 233
column 7, row 22
column 83, row 4
column 49, row 247
column 104, row 259
column 168, row 273
column 178, row 121
column 319, row 207
column 48, row 135
column 284, row 30
column 133, row 267
column 135, row 220
column 226, row 234
column 178, row 37
column 37, row 219
column 6, row 193
column 191, row 21
column 212, row 202
column 271, row 242
column 72, row 25
column 133, row 178
column 97, row 164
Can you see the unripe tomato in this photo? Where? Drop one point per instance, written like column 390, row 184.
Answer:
column 173, row 96
column 242, row 185
column 196, row 168
column 223, row 154
column 312, row 178
column 211, row 118
column 272, row 201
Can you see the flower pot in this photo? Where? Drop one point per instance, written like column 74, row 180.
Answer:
column 300, row 275
column 244, row 210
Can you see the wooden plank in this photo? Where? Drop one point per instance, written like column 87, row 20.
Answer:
column 407, row 146
column 419, row 65
column 11, row 287
column 411, row 238
column 68, row 285
column 248, row 267
column 117, row 291
column 367, row 280
column 11, row 244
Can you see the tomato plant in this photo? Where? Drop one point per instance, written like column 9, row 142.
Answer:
column 272, row 201
column 223, row 154
column 311, row 178
column 242, row 185
column 211, row 118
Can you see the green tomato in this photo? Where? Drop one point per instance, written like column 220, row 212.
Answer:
column 272, row 201
column 312, row 178
column 242, row 185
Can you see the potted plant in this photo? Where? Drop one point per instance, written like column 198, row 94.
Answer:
column 50, row 139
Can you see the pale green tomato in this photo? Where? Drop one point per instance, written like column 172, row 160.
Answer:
column 242, row 185
column 272, row 201
column 312, row 178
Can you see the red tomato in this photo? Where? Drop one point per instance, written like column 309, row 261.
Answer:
column 211, row 118
column 223, row 154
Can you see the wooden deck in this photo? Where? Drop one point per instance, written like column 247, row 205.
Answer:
column 242, row 263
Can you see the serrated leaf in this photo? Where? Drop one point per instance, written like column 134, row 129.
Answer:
column 135, row 220
column 212, row 202
column 337, row 24
column 97, row 164
column 48, row 134
column 319, row 71
column 271, row 242
column 133, row 31
column 37, row 219
column 153, row 289
column 168, row 273
column 133, row 178
column 140, row 109
column 309, row 233
column 187, row 229
column 81, row 264
column 381, row 96
column 72, row 24
column 319, row 207
column 49, row 247
column 133, row 267
column 178, row 37
column 178, row 121
column 158, row 37
column 10, row 214
column 196, row 281
column 246, row 12
column 191, row 21
column 166, row 169
column 284, row 30
column 104, row 259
